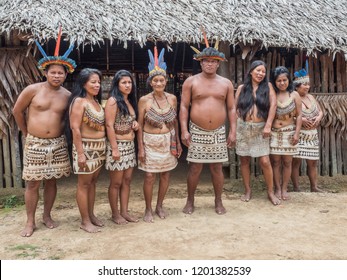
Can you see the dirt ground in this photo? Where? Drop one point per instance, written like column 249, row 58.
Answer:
column 309, row 226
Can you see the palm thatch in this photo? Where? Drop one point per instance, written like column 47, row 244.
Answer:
column 312, row 25
column 17, row 70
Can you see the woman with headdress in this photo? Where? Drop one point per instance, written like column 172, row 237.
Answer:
column 256, row 108
column 308, row 139
column 285, row 130
column 158, row 142
column 121, row 124
column 87, row 122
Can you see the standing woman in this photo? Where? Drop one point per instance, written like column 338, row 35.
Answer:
column 158, row 141
column 308, row 140
column 255, row 108
column 87, row 122
column 285, row 130
column 120, row 112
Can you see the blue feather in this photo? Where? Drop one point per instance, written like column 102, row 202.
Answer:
column 161, row 61
column 151, row 61
column 66, row 54
column 40, row 49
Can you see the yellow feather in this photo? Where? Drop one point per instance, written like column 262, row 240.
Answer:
column 216, row 44
column 195, row 49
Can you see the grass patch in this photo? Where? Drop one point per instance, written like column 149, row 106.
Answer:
column 11, row 201
column 28, row 251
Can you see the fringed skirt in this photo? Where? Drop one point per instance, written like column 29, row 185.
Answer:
column 281, row 141
column 45, row 158
column 249, row 139
column 158, row 157
column 94, row 150
column 308, row 144
column 127, row 159
column 207, row 146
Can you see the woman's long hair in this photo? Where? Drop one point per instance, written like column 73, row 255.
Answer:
column 279, row 71
column 246, row 100
column 118, row 96
column 79, row 91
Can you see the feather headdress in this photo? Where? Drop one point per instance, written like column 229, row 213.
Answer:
column 68, row 63
column 156, row 65
column 301, row 76
column 208, row 52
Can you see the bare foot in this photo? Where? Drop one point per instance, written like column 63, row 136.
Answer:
column 296, row 189
column 247, row 196
column 96, row 222
column 219, row 208
column 130, row 219
column 189, row 208
column 118, row 219
column 89, row 228
column 148, row 218
column 49, row 223
column 285, row 195
column 28, row 230
column 275, row 201
column 316, row 189
column 278, row 193
column 160, row 212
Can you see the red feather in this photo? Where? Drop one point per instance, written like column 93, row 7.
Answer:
column 57, row 46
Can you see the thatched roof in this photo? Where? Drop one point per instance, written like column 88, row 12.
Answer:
column 310, row 25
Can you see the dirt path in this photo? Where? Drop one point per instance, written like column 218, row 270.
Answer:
column 309, row 226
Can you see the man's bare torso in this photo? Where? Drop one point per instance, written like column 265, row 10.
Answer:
column 208, row 109
column 45, row 115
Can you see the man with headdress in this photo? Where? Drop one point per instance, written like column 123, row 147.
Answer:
column 211, row 98
column 39, row 113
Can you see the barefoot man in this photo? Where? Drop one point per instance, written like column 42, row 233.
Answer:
column 211, row 98
column 39, row 114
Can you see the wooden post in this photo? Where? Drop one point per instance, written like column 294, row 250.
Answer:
column 239, row 70
column 223, row 69
column 1, row 165
column 325, row 73
column 232, row 71
column 339, row 85
column 339, row 161
column 7, row 161
column 16, row 161
column 331, row 74
column 343, row 74
column 333, row 169
column 317, row 71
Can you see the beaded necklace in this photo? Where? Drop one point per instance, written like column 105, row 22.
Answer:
column 123, row 123
column 93, row 118
column 285, row 110
column 158, row 118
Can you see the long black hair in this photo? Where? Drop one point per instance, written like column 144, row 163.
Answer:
column 118, row 96
column 83, row 77
column 279, row 71
column 246, row 99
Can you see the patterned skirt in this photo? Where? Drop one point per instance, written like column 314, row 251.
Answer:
column 308, row 144
column 207, row 146
column 158, row 157
column 249, row 139
column 127, row 159
column 94, row 150
column 281, row 138
column 45, row 158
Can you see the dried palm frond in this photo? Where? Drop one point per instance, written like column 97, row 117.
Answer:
column 17, row 70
